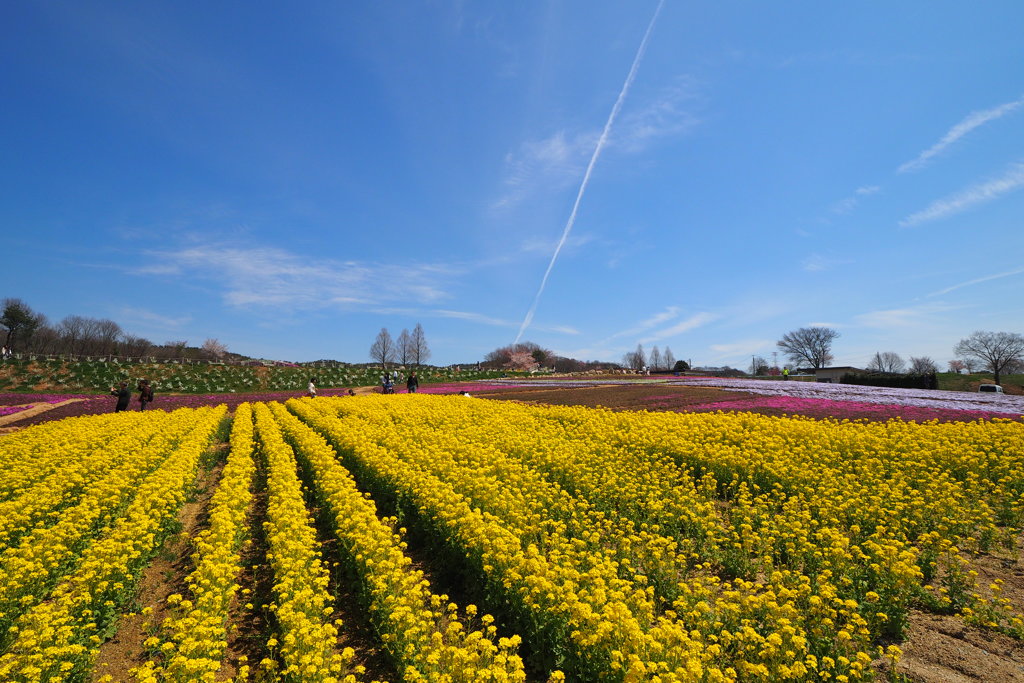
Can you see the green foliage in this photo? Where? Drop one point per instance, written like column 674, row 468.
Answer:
column 889, row 379
column 100, row 375
column 951, row 381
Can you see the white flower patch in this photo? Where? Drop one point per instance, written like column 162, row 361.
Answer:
column 922, row 398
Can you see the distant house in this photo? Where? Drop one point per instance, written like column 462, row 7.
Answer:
column 833, row 375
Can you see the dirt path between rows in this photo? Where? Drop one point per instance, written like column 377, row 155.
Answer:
column 36, row 409
column 164, row 576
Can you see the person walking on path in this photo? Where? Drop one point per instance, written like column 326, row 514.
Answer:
column 123, row 396
column 312, row 387
column 412, row 384
column 145, row 394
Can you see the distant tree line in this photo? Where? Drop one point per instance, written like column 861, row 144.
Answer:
column 528, row 356
column 27, row 331
column 996, row 352
column 655, row 361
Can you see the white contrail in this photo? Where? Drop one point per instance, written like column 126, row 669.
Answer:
column 590, row 167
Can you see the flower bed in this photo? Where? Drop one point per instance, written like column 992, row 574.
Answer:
column 11, row 410
column 918, row 398
column 822, row 408
column 14, row 399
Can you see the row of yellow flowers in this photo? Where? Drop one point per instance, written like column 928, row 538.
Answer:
column 872, row 506
column 825, row 529
column 460, row 443
column 646, row 489
column 57, row 640
column 195, row 638
column 783, row 482
column 537, row 506
column 33, row 455
column 302, row 603
column 580, row 616
column 421, row 630
column 39, row 477
column 53, row 545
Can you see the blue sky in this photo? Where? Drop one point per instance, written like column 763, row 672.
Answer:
column 289, row 180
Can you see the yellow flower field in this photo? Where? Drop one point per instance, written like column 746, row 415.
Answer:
column 493, row 541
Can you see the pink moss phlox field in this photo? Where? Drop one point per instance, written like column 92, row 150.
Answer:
column 821, row 407
column 11, row 410
column 15, row 399
column 455, row 387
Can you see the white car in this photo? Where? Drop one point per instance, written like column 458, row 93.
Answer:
column 990, row 389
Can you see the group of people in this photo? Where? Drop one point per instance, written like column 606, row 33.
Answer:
column 124, row 395
column 311, row 389
column 5, row 352
column 388, row 380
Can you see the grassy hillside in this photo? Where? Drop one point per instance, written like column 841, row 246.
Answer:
column 98, row 376
column 1012, row 384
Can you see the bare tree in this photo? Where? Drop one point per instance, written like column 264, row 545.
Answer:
column 758, row 366
column 403, row 348
column 107, row 335
column 20, row 322
column 418, row 344
column 383, row 348
column 886, row 361
column 655, row 358
column 635, row 360
column 994, row 351
column 668, row 359
column 923, row 365
column 176, row 349
column 213, row 348
column 810, row 345
column 136, row 347
column 70, row 330
column 45, row 340
column 89, row 341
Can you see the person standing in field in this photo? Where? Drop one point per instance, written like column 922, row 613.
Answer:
column 145, row 394
column 412, row 384
column 785, row 373
column 312, row 387
column 123, row 396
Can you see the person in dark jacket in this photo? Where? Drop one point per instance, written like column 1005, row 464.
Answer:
column 123, row 396
column 145, row 394
column 412, row 384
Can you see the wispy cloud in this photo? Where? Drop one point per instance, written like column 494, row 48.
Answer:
column 468, row 316
column 668, row 114
column 691, row 323
column 546, row 246
column 276, row 278
column 977, row 281
column 848, row 204
column 558, row 160
column 636, row 330
column 746, row 347
column 815, row 263
column 555, row 162
column 973, row 120
column 901, row 317
column 981, row 193
column 145, row 316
